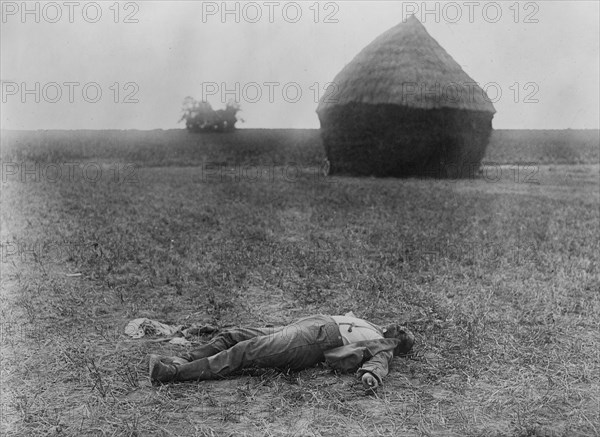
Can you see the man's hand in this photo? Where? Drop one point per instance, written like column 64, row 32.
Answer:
column 369, row 381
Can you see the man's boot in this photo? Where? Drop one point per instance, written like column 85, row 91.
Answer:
column 163, row 369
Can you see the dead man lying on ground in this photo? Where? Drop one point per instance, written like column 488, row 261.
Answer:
column 345, row 343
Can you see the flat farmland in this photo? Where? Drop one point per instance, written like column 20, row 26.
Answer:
column 160, row 148
column 498, row 276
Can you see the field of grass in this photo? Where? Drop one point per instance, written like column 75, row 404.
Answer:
column 498, row 277
column 161, row 148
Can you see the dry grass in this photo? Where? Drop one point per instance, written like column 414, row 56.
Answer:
column 499, row 281
column 273, row 146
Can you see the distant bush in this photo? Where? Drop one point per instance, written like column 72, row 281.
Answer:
column 201, row 117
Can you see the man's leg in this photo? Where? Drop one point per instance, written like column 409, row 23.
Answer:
column 296, row 346
column 227, row 339
column 163, row 369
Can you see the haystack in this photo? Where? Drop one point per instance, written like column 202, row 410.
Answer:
column 404, row 107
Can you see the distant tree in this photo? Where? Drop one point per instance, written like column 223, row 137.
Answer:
column 200, row 116
column 226, row 118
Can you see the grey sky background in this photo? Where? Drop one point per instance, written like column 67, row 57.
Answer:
column 547, row 71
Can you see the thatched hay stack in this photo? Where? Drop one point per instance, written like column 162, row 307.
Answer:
column 404, row 107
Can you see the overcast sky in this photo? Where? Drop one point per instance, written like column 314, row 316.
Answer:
column 538, row 60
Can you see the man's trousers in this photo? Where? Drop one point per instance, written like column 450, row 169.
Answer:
column 295, row 346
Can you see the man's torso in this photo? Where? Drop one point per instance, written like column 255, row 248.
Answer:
column 353, row 329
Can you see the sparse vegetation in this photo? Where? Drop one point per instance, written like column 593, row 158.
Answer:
column 499, row 281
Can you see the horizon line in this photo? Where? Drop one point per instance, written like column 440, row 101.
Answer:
column 254, row 128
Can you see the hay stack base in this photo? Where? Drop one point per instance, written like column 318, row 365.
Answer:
column 391, row 140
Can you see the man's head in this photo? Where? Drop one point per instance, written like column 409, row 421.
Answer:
column 407, row 339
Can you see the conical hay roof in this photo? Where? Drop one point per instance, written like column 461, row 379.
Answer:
column 405, row 66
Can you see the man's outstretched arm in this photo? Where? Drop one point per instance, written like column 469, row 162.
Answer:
column 378, row 367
